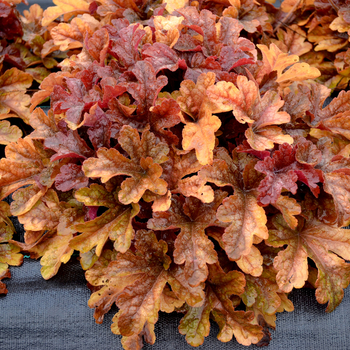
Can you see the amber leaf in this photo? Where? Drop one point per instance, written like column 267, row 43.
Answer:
column 114, row 224
column 139, row 302
column 325, row 245
column 220, row 287
column 261, row 113
column 143, row 166
column 192, row 246
column 13, row 86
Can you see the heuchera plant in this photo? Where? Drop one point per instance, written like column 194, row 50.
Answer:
column 13, row 82
column 27, row 57
column 318, row 31
column 192, row 170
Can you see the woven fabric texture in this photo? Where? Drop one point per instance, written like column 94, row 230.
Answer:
column 41, row 315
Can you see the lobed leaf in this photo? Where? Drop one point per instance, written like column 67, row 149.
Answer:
column 9, row 133
column 261, row 114
column 104, row 162
column 13, row 85
column 64, row 7
column 150, row 264
column 282, row 171
column 192, row 246
column 195, row 324
column 114, row 224
column 325, row 245
column 23, row 163
column 144, row 171
column 198, row 134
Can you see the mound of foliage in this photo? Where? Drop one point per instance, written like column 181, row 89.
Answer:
column 24, row 63
column 189, row 159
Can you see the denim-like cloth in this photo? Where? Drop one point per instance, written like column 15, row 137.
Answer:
column 53, row 315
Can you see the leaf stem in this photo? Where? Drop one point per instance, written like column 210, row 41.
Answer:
column 287, row 16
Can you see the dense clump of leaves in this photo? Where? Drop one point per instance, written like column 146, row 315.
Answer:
column 190, row 168
column 318, row 31
column 9, row 252
column 24, row 63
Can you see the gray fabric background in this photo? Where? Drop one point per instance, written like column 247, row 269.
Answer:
column 41, row 315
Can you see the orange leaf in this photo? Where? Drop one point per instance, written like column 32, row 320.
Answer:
column 340, row 24
column 322, row 243
column 292, row 40
column 64, row 7
column 22, row 163
column 44, row 215
column 44, row 125
column 13, row 85
column 289, row 208
column 192, row 246
column 107, row 284
column 247, row 217
column 140, row 301
column 54, row 250
column 9, row 253
column 4, row 273
column 167, row 28
column 68, row 36
column 252, row 263
column 335, row 166
column 145, row 173
column 25, row 198
column 172, row 5
column 242, row 210
column 193, row 296
column 9, row 133
column 114, row 224
column 298, row 72
column 260, row 113
column 220, row 286
column 200, row 134
column 262, row 292
column 276, row 60
column 46, row 87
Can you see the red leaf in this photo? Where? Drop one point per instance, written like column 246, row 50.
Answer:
column 231, row 58
column 146, row 90
column 233, row 54
column 70, row 145
column 73, row 102
column 10, row 26
column 100, row 133
column 98, row 45
column 245, row 148
column 165, row 115
column 125, row 48
column 283, row 171
column 188, row 43
column 110, row 92
column 161, row 57
column 204, row 24
column 71, row 176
